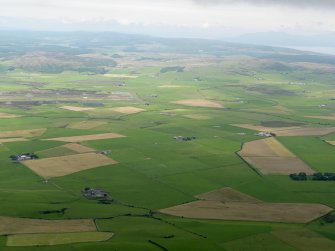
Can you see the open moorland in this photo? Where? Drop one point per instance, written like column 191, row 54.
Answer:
column 124, row 142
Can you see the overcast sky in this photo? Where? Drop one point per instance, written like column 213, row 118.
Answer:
column 212, row 18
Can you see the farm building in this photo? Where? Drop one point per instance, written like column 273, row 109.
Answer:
column 265, row 134
column 94, row 193
column 24, row 156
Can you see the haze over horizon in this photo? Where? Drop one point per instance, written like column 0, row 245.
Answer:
column 187, row 18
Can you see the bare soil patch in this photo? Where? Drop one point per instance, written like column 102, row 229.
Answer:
column 86, row 125
column 331, row 142
column 64, row 165
column 305, row 240
column 12, row 140
column 199, row 103
column 227, row 194
column 271, row 157
column 77, row 108
column 79, row 148
column 127, row 110
column 22, row 133
column 9, row 225
column 88, row 137
column 268, row 212
column 8, row 116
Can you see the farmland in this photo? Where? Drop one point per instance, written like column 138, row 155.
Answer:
column 114, row 122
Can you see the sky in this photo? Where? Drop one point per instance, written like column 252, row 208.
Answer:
column 188, row 18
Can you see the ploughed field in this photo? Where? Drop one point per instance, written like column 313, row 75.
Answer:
column 155, row 146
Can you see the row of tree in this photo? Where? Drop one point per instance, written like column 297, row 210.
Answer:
column 315, row 176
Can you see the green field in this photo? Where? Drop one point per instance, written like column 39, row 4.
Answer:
column 155, row 168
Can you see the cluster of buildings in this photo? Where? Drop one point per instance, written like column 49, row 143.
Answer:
column 24, row 156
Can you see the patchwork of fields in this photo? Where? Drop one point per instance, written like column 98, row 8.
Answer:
column 142, row 150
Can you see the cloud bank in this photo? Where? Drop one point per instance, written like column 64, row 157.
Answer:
column 289, row 3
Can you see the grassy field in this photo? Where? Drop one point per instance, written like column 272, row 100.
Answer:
column 171, row 134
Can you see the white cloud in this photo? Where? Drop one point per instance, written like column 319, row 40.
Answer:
column 219, row 17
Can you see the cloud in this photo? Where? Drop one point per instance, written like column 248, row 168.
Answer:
column 289, row 3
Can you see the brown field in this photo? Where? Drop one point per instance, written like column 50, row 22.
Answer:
column 119, row 76
column 10, row 225
column 12, row 140
column 268, row 212
column 88, row 137
column 305, row 240
column 8, row 116
column 79, row 148
column 306, row 131
column 271, row 157
column 199, row 103
column 290, row 131
column 197, row 117
column 77, row 108
column 22, row 133
column 86, row 125
column 322, row 117
column 64, row 165
column 127, row 110
column 227, row 194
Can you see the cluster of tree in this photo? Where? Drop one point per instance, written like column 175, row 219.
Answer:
column 172, row 68
column 315, row 176
column 298, row 176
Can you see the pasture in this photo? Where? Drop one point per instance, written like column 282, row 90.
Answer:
column 226, row 189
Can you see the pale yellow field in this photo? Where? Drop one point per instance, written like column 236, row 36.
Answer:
column 227, row 194
column 88, row 137
column 306, row 131
column 9, row 225
column 271, row 157
column 12, row 140
column 49, row 239
column 86, row 125
column 22, row 133
column 290, row 131
column 331, row 142
column 199, row 103
column 79, row 148
column 77, row 108
column 127, row 110
column 197, row 117
column 305, row 240
column 65, row 165
column 268, row 212
column 264, row 128
column 322, row 117
column 8, row 116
